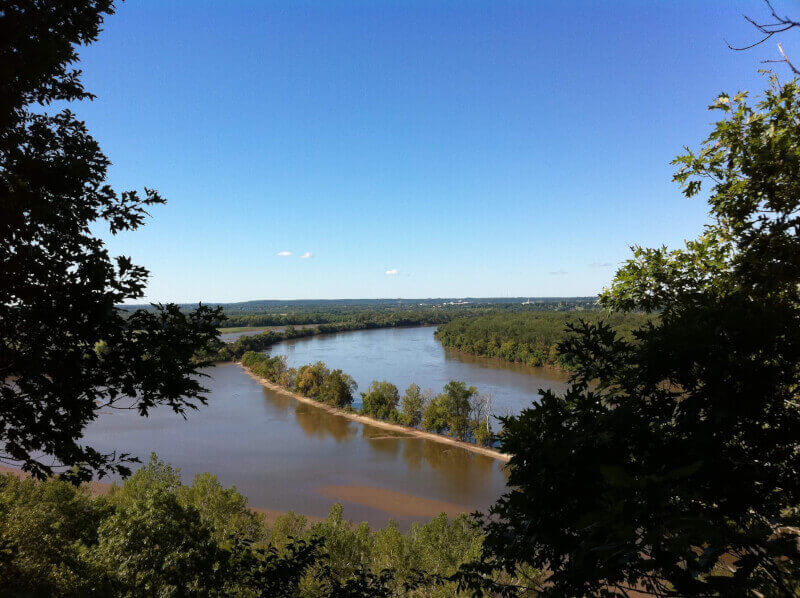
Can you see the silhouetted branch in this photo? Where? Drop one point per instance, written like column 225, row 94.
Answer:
column 780, row 25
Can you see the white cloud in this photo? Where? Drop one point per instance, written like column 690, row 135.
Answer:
column 558, row 273
column 306, row 255
column 392, row 272
column 284, row 253
column 600, row 264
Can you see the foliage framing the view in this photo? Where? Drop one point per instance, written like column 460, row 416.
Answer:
column 155, row 536
column 66, row 351
column 671, row 465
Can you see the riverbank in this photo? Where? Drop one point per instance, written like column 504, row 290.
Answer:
column 377, row 423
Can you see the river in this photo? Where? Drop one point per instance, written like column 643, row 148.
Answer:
column 286, row 455
column 405, row 355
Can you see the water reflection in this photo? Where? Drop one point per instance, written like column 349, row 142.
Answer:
column 322, row 424
column 406, row 355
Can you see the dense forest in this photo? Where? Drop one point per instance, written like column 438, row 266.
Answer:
column 458, row 411
column 386, row 312
column 156, row 536
column 529, row 337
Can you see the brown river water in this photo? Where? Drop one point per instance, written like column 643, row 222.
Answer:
column 286, row 455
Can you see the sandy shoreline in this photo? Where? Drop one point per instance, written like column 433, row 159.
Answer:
column 94, row 488
column 377, row 423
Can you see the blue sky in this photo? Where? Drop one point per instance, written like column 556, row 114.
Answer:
column 470, row 148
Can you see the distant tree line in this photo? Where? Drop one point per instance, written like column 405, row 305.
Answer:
column 297, row 312
column 459, row 411
column 529, row 337
column 384, row 314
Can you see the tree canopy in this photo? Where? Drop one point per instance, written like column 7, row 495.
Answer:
column 66, row 350
column 671, row 463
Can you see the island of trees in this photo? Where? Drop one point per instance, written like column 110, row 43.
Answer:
column 458, row 411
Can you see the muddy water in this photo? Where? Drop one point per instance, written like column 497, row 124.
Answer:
column 405, row 355
column 286, row 455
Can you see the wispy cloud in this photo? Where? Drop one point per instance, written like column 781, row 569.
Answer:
column 392, row 272
column 557, row 273
column 306, row 255
column 600, row 264
column 284, row 253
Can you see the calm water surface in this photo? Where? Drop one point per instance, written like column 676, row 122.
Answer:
column 412, row 355
column 285, row 455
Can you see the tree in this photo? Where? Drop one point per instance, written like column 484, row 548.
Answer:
column 435, row 416
column 45, row 530
column 778, row 24
column 480, row 413
column 670, row 464
column 457, row 405
column 380, row 400
column 338, row 389
column 66, row 350
column 310, row 378
column 157, row 547
column 412, row 405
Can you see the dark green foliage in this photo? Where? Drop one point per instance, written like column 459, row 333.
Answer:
column 316, row 381
column 337, row 389
column 155, row 536
column 267, row 571
column 672, row 462
column 454, row 412
column 382, row 313
column 43, row 527
column 66, row 352
column 260, row 342
column 457, row 403
column 413, row 402
column 435, row 418
column 528, row 337
column 380, row 401
column 156, row 546
column 459, row 411
column 272, row 368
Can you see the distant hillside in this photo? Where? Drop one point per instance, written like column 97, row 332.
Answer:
column 282, row 305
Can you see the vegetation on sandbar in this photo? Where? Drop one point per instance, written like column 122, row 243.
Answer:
column 459, row 411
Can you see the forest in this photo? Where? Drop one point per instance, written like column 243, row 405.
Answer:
column 385, row 313
column 530, row 337
column 156, row 536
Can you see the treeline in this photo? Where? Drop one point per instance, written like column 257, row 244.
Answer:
column 155, row 536
column 529, row 337
column 459, row 411
column 383, row 318
column 387, row 313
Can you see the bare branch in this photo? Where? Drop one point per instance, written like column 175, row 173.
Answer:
column 786, row 59
column 780, row 25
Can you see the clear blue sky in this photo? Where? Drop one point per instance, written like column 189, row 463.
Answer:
column 476, row 148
